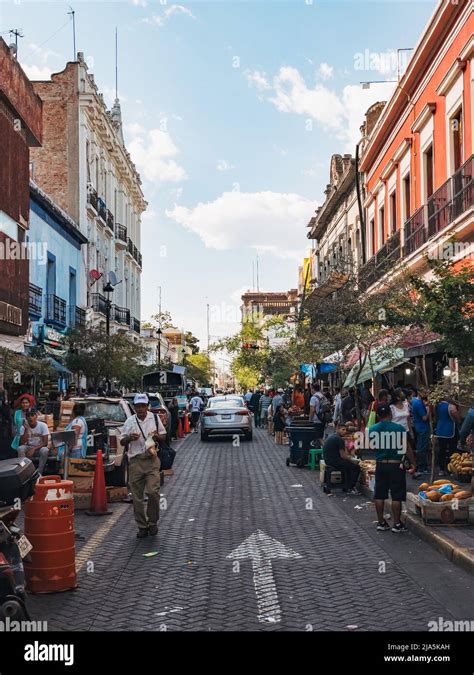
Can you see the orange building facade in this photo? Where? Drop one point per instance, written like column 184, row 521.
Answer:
column 418, row 163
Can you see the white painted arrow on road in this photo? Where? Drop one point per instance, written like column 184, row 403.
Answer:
column 262, row 549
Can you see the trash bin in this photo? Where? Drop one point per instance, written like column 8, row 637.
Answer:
column 301, row 438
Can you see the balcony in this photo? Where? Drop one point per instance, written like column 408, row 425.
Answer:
column 447, row 204
column 121, row 315
column 130, row 246
column 136, row 325
column 77, row 317
column 102, row 209
column 35, row 301
column 450, row 201
column 92, row 198
column 99, row 303
column 139, row 259
column 385, row 258
column 109, row 220
column 120, row 234
column 55, row 310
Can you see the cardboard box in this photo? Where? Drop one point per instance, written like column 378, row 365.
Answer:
column 81, row 467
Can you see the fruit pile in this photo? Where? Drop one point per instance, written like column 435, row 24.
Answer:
column 442, row 491
column 460, row 463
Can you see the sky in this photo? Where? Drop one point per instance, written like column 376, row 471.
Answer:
column 231, row 112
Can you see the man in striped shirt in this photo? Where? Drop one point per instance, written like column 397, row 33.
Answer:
column 264, row 404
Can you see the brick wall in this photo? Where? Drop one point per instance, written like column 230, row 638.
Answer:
column 56, row 163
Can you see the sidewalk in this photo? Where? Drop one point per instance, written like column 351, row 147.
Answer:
column 455, row 542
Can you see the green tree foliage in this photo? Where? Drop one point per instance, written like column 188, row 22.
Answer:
column 101, row 357
column 199, row 367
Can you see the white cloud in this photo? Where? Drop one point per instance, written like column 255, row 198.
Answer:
column 280, row 151
column 224, row 165
column 325, row 71
column 161, row 19
column 264, row 221
column 37, row 72
column 139, row 3
column 257, row 79
column 134, row 128
column 153, row 152
column 342, row 114
column 42, row 56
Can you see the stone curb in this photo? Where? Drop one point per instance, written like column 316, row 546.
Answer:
column 462, row 557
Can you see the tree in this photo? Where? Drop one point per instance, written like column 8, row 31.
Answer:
column 199, row 367
column 191, row 341
column 445, row 304
column 101, row 357
column 162, row 320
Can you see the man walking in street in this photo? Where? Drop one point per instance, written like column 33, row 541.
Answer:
column 264, row 404
column 277, row 400
column 141, row 433
column 196, row 404
column 390, row 442
column 34, row 440
column 255, row 407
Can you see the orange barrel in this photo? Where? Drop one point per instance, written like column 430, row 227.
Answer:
column 49, row 525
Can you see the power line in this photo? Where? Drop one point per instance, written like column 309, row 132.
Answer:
column 32, row 51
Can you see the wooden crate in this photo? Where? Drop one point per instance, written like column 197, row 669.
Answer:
column 82, row 483
column 443, row 513
column 116, row 494
column 82, row 500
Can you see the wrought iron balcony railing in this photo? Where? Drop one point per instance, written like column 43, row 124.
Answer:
column 77, row 317
column 121, row 232
column 35, row 300
column 55, row 310
column 136, row 325
column 110, row 220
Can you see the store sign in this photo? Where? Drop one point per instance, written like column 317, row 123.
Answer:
column 10, row 313
column 53, row 342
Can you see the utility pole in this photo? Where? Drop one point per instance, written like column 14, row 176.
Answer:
column 208, row 336
column 17, row 33
column 73, row 14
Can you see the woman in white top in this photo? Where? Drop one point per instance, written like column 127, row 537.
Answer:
column 401, row 410
column 79, row 425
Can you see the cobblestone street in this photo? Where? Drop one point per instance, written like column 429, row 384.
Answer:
column 331, row 571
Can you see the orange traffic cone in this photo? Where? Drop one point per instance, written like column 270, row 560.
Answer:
column 180, row 430
column 98, row 506
column 187, row 428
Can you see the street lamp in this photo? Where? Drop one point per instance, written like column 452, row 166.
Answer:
column 159, row 332
column 183, row 352
column 108, row 289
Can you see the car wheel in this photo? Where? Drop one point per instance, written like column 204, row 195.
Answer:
column 119, row 477
column 248, row 436
column 287, row 461
column 204, row 436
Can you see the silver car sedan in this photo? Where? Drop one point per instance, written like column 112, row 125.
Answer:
column 226, row 415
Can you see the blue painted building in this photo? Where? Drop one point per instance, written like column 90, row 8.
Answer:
column 57, row 255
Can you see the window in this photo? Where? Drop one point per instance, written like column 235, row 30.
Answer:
column 393, row 212
column 406, row 197
column 51, row 275
column 381, row 226
column 429, row 171
column 372, row 237
column 456, row 140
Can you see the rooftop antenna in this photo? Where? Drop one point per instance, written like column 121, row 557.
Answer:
column 258, row 285
column 73, row 14
column 17, row 33
column 116, row 63
column 253, row 276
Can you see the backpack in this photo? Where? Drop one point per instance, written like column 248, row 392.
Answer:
column 324, row 413
column 165, row 453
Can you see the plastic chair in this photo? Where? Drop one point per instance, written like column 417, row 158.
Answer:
column 314, row 457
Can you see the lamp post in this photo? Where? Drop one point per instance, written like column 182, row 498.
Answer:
column 108, row 289
column 159, row 332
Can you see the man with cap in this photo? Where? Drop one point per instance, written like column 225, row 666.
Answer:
column 277, row 400
column 140, row 433
column 34, row 439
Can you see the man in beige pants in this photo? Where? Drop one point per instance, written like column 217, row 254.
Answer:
column 144, row 466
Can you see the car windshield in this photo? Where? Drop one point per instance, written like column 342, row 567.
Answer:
column 106, row 410
column 233, row 402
